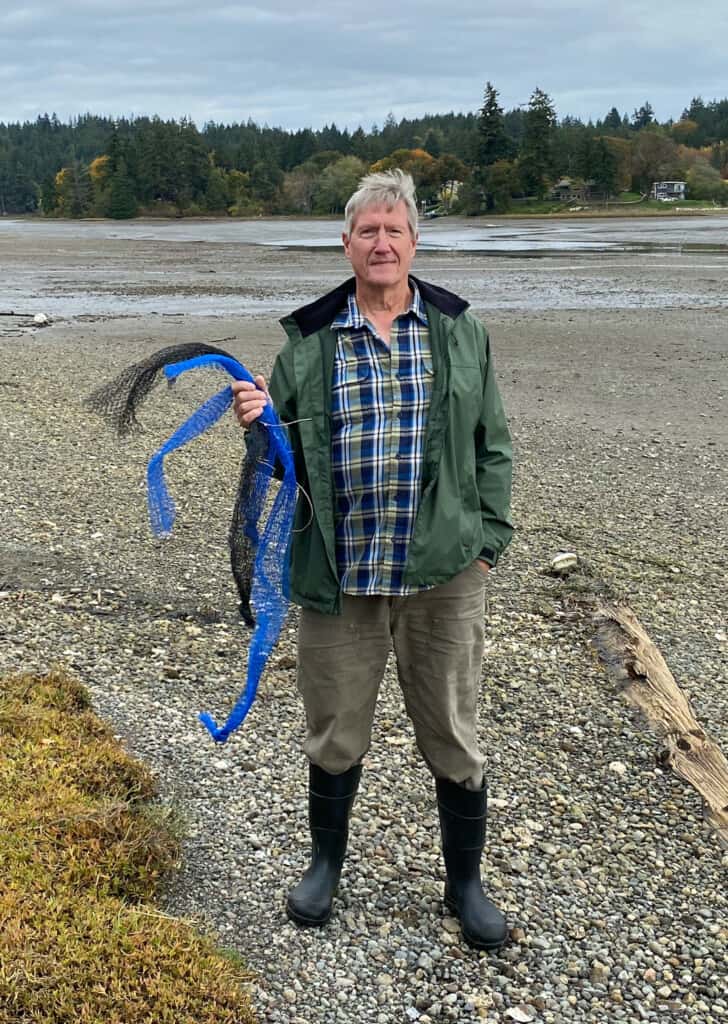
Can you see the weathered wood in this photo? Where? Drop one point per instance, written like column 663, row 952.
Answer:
column 635, row 662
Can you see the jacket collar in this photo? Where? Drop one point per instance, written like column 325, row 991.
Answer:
column 352, row 317
column 322, row 312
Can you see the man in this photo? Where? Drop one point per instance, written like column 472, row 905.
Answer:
column 401, row 442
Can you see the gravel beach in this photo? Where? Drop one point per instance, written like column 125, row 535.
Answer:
column 614, row 886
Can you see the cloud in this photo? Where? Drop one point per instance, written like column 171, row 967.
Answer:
column 289, row 64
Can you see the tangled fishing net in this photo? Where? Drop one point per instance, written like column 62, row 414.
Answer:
column 259, row 553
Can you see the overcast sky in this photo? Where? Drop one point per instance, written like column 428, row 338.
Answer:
column 298, row 64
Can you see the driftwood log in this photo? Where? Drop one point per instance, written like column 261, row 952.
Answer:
column 635, row 663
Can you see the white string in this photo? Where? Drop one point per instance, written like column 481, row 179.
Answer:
column 303, row 492
column 310, row 505
column 288, row 423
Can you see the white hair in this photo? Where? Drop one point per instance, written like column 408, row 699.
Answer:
column 383, row 188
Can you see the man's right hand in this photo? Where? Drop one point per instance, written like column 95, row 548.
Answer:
column 250, row 399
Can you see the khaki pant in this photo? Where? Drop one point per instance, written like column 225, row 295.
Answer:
column 438, row 642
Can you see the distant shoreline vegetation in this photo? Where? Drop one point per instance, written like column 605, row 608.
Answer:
column 524, row 161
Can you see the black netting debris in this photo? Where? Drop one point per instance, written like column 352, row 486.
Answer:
column 118, row 402
column 259, row 557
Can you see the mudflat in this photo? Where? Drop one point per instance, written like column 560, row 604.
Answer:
column 618, row 412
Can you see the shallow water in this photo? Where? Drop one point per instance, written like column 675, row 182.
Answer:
column 266, row 267
column 452, row 233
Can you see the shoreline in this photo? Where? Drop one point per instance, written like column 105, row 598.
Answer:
column 260, row 270
column 565, row 214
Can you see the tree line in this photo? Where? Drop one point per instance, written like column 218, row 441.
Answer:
column 470, row 163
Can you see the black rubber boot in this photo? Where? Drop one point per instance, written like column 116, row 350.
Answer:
column 462, row 821
column 330, row 799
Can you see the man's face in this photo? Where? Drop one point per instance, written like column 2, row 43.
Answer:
column 381, row 247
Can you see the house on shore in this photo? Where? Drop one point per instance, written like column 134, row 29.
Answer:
column 668, row 191
column 568, row 190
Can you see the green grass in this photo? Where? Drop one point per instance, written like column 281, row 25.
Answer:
column 82, row 850
column 575, row 209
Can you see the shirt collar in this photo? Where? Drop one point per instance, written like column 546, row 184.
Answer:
column 351, row 316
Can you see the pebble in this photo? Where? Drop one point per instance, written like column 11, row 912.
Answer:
column 515, row 1013
column 599, row 972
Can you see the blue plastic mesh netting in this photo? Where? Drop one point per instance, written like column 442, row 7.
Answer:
column 259, row 560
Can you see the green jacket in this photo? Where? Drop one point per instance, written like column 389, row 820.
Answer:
column 466, row 475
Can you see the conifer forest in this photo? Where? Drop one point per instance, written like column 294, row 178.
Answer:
column 486, row 161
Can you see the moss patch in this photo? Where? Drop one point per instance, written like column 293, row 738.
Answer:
column 81, row 852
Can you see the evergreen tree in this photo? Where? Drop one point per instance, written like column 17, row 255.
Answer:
column 192, row 164
column 18, row 191
column 604, row 168
column 613, row 121
column 390, row 133
column 4, row 183
column 432, row 143
column 122, row 201
column 297, row 148
column 47, row 196
column 515, row 124
column 361, row 145
column 696, row 111
column 572, row 140
column 265, row 182
column 643, row 117
column 113, row 149
column 585, row 157
column 536, row 160
column 217, row 197
column 151, row 155
column 493, row 142
column 699, row 113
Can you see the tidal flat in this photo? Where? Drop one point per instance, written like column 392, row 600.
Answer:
column 613, row 364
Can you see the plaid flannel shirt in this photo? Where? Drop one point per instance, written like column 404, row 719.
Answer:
column 381, row 396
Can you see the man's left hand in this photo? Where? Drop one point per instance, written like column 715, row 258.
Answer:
column 483, row 566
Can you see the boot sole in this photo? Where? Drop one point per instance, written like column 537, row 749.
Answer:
column 471, row 941
column 306, row 922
